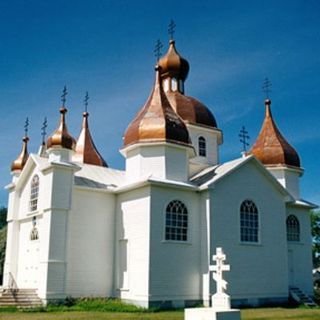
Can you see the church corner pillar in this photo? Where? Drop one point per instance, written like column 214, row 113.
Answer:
column 59, row 177
column 12, row 246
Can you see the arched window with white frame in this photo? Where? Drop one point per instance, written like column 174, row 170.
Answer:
column 34, row 193
column 249, row 222
column 176, row 221
column 293, row 228
column 202, row 147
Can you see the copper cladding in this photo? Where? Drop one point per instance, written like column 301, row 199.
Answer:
column 173, row 65
column 61, row 136
column 271, row 148
column 86, row 151
column 191, row 110
column 157, row 121
column 20, row 162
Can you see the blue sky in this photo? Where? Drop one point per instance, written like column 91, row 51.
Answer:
column 106, row 48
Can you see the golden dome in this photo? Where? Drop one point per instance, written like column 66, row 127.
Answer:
column 173, row 65
column 20, row 162
column 61, row 137
column 86, row 151
column 157, row 120
column 271, row 148
column 191, row 110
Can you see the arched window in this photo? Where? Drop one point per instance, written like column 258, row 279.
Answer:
column 33, row 204
column 249, row 222
column 34, row 234
column 293, row 228
column 202, row 147
column 174, row 84
column 176, row 221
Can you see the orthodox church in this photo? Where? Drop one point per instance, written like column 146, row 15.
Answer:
column 146, row 234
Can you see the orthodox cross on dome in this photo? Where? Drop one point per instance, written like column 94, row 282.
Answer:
column 244, row 137
column 266, row 87
column 43, row 130
column 219, row 257
column 85, row 101
column 171, row 29
column 26, row 127
column 63, row 96
column 157, row 49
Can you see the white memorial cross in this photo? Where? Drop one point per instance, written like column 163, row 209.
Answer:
column 220, row 300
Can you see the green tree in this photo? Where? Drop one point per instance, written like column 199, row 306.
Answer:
column 3, row 239
column 3, row 217
column 315, row 231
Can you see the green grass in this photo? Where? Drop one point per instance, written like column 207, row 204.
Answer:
column 249, row 314
column 113, row 309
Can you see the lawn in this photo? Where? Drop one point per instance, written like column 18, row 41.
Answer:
column 249, row 314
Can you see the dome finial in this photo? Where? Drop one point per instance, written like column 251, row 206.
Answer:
column 157, row 49
column 18, row 164
column 43, row 130
column 86, row 103
column 63, row 96
column 61, row 136
column 171, row 29
column 266, row 87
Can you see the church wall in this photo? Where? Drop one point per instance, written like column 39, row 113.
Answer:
column 160, row 161
column 211, row 137
column 90, row 248
column 300, row 253
column 174, row 265
column 258, row 270
column 132, row 243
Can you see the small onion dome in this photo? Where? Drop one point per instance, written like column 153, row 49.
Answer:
column 271, row 148
column 157, row 121
column 191, row 110
column 19, row 163
column 173, row 65
column 61, row 137
column 86, row 151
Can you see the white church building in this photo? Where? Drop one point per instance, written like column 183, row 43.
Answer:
column 147, row 234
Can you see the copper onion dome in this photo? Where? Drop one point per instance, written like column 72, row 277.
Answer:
column 20, row 162
column 173, row 65
column 191, row 110
column 86, row 151
column 157, row 121
column 271, row 148
column 61, row 137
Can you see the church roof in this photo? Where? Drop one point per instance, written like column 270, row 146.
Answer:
column 212, row 175
column 20, row 162
column 157, row 121
column 86, row 151
column 271, row 148
column 61, row 137
column 173, row 64
column 191, row 110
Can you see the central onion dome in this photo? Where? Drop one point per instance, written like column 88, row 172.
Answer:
column 173, row 65
column 61, row 137
column 271, row 148
column 157, row 121
column 174, row 71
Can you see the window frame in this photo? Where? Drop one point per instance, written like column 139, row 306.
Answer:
column 176, row 233
column 295, row 235
column 251, row 229
column 202, row 150
column 34, row 193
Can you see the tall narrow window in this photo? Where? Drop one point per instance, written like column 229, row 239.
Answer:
column 249, row 222
column 293, row 228
column 33, row 204
column 176, row 221
column 202, row 147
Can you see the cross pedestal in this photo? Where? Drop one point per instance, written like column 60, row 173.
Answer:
column 221, row 306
